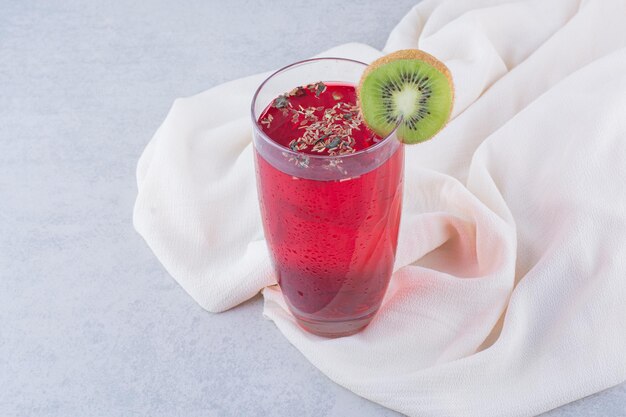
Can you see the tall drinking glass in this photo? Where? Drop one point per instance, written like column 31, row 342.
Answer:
column 331, row 221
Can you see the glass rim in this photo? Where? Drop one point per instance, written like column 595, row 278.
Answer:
column 289, row 151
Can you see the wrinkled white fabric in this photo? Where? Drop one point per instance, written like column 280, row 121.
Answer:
column 509, row 291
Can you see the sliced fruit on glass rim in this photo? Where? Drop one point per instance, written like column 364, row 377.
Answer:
column 410, row 88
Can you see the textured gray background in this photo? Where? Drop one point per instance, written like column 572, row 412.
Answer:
column 90, row 323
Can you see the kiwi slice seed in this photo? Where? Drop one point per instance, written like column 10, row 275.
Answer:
column 409, row 87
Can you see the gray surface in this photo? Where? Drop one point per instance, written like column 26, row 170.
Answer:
column 90, row 323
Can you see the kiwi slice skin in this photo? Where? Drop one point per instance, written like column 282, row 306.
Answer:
column 409, row 87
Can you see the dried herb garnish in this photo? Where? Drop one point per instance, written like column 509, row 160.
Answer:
column 332, row 132
column 267, row 121
column 324, row 130
column 321, row 138
column 334, row 143
column 297, row 92
column 320, row 87
column 316, row 88
column 280, row 102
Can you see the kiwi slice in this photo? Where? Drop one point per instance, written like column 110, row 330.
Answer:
column 410, row 88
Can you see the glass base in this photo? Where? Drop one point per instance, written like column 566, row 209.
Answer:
column 334, row 329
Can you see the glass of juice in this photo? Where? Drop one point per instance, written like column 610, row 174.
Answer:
column 330, row 194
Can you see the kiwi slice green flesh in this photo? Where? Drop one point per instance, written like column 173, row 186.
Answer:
column 410, row 88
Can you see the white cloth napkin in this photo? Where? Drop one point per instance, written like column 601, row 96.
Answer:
column 509, row 291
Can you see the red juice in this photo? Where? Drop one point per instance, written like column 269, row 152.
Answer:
column 332, row 242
